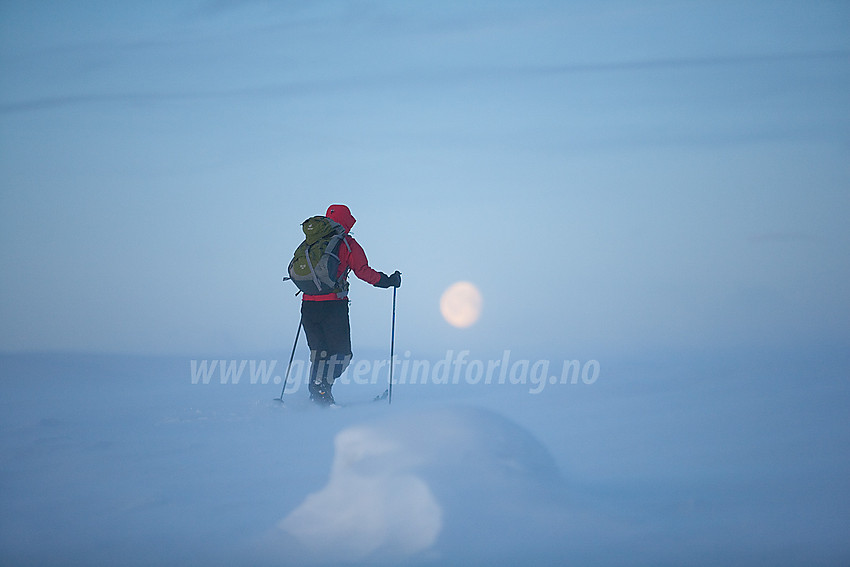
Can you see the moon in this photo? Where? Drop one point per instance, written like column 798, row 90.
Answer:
column 461, row 304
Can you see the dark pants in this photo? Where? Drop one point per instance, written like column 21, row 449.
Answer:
column 329, row 338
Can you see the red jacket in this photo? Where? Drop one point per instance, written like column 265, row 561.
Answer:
column 354, row 260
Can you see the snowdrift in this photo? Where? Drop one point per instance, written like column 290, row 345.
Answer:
column 399, row 484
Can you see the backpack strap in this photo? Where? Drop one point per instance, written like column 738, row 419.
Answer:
column 312, row 269
column 342, row 294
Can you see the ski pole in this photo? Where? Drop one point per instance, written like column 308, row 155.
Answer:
column 291, row 357
column 392, row 351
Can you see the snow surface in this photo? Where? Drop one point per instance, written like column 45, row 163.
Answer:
column 734, row 460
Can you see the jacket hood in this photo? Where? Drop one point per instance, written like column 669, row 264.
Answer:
column 342, row 215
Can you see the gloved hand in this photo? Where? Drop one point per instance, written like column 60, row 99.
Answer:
column 389, row 281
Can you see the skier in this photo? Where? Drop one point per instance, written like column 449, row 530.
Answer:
column 325, row 317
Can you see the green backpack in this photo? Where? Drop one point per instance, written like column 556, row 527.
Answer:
column 316, row 260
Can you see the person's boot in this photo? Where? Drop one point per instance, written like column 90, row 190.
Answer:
column 316, row 395
column 321, row 393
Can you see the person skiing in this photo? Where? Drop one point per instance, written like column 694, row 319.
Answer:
column 325, row 317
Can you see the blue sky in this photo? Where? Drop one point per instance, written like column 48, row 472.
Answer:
column 614, row 176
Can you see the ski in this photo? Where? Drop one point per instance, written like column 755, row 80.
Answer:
column 377, row 398
column 336, row 405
